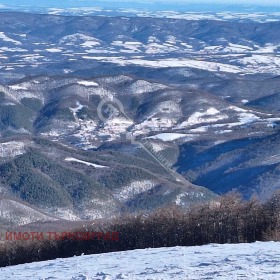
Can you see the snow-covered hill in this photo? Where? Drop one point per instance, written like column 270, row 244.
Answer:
column 231, row 262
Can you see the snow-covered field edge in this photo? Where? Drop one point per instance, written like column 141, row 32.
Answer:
column 252, row 261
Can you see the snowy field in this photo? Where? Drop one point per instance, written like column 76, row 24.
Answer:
column 230, row 262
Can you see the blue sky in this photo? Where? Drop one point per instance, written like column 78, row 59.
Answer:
column 94, row 2
column 225, row 2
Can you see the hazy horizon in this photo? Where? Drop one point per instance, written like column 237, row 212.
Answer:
column 144, row 3
column 107, row 6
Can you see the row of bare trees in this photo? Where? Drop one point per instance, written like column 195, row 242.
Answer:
column 229, row 219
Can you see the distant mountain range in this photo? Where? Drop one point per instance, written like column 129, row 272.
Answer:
column 50, row 44
column 97, row 120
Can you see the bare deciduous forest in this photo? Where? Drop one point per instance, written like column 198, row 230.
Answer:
column 228, row 219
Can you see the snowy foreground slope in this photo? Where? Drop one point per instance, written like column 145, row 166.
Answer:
column 243, row 261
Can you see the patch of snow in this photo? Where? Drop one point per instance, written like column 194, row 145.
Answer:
column 223, row 131
column 248, row 118
column 77, row 109
column 6, row 49
column 78, row 38
column 90, row 44
column 12, row 149
column 133, row 189
column 166, row 63
column 85, row 162
column 199, row 129
column 179, row 197
column 88, row 83
column 268, row 48
column 17, row 87
column 210, row 115
column 54, row 50
column 5, row 38
column 20, row 214
column 168, row 136
column 142, row 86
column 158, row 147
column 237, row 109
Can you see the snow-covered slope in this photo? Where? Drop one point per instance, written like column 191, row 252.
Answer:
column 230, row 262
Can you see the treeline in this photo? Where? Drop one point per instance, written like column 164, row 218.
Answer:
column 229, row 219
